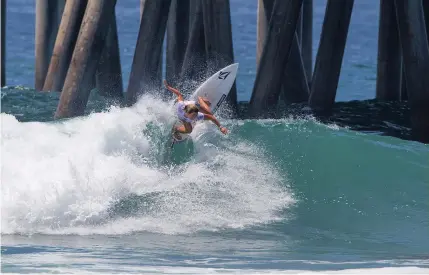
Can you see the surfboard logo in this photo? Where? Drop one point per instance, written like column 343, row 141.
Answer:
column 223, row 75
column 220, row 101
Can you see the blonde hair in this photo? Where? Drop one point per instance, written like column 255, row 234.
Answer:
column 191, row 108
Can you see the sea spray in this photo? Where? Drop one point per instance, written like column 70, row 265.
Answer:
column 70, row 176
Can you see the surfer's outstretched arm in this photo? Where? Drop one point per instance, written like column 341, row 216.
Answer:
column 215, row 121
column 175, row 91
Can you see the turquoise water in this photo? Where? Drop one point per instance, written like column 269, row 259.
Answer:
column 102, row 194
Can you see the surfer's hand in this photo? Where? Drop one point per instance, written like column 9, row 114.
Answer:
column 173, row 90
column 223, row 130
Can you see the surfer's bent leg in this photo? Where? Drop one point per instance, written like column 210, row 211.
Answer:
column 204, row 104
column 185, row 128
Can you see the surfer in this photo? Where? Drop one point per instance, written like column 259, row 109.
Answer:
column 190, row 111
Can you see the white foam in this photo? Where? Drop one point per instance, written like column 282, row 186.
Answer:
column 198, row 271
column 63, row 177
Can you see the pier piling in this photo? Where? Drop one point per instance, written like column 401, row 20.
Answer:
column 299, row 28
column 109, row 75
column 426, row 14
column 275, row 54
column 295, row 84
column 86, row 55
column 389, row 54
column 218, row 39
column 159, row 70
column 265, row 8
column 47, row 20
column 141, row 8
column 330, row 55
column 194, row 60
column 415, row 50
column 153, row 23
column 404, row 92
column 3, row 43
column 64, row 44
column 261, row 29
column 307, row 38
column 177, row 39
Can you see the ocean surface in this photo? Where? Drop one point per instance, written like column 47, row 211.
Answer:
column 102, row 193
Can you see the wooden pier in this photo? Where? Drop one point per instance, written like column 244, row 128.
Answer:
column 77, row 50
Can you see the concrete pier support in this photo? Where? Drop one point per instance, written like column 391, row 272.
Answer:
column 426, row 13
column 295, row 83
column 296, row 79
column 177, row 39
column 3, row 43
column 218, row 39
column 153, row 23
column 109, row 74
column 275, row 56
column 194, row 61
column 307, row 38
column 261, row 30
column 330, row 55
column 299, row 28
column 415, row 50
column 64, row 44
column 141, row 8
column 48, row 14
column 265, row 8
column 404, row 91
column 389, row 54
column 86, row 55
column 159, row 70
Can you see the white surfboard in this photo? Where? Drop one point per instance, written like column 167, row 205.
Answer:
column 216, row 88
